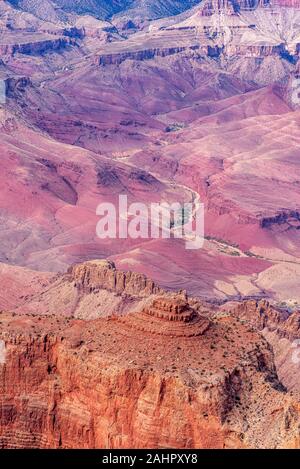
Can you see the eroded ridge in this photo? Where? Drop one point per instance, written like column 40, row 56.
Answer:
column 96, row 275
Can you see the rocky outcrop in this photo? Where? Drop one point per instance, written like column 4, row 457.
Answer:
column 172, row 373
column 232, row 6
column 254, row 50
column 146, row 54
column 282, row 330
column 260, row 313
column 35, row 47
column 263, row 315
column 204, row 50
column 170, row 315
column 100, row 384
column 97, row 275
column 15, row 87
column 104, row 358
column 89, row 290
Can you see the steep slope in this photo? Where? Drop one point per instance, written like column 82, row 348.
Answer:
column 87, row 291
column 79, row 388
column 43, row 9
column 149, row 9
column 281, row 328
column 58, row 196
column 165, row 113
column 153, row 9
column 98, row 8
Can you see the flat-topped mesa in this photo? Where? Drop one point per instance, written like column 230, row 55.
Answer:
column 96, row 275
column 168, row 315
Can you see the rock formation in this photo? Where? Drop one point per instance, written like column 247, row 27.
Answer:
column 33, row 45
column 161, row 104
column 262, row 315
column 168, row 315
column 281, row 327
column 98, row 275
column 152, row 122
column 100, row 384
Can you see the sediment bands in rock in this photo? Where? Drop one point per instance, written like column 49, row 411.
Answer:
column 96, row 275
column 168, row 315
column 164, row 377
column 172, row 110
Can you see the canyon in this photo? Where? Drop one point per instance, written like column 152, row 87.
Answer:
column 141, row 343
column 69, row 382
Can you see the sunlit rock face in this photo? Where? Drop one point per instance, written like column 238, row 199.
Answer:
column 172, row 353
column 161, row 101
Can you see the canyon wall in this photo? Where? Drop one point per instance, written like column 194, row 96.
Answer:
column 163, row 377
column 99, row 275
column 36, row 47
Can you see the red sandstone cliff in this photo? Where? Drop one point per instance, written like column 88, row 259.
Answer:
column 164, row 376
column 281, row 328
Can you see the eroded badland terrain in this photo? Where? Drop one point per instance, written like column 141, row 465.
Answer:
column 117, row 343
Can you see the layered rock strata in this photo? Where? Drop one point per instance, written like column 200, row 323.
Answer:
column 97, row 275
column 103, row 384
